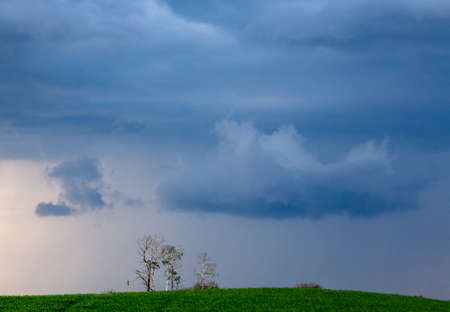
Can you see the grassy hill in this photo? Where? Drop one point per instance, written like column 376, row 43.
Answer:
column 258, row 299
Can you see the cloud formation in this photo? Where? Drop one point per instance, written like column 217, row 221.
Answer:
column 353, row 25
column 274, row 175
column 148, row 68
column 50, row 209
column 82, row 184
column 322, row 22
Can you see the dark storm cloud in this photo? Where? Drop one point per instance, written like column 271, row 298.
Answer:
column 354, row 25
column 82, row 184
column 84, row 43
column 274, row 175
column 79, row 124
column 233, row 13
column 159, row 73
column 83, row 190
column 57, row 210
column 103, row 66
column 332, row 23
column 93, row 68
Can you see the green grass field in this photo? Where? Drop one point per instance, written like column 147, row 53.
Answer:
column 258, row 299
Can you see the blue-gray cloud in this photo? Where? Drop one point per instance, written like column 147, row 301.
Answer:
column 332, row 23
column 151, row 74
column 82, row 184
column 96, row 68
column 83, row 190
column 354, row 25
column 57, row 210
column 274, row 175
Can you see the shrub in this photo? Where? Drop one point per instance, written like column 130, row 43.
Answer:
column 109, row 291
column 207, row 285
column 308, row 285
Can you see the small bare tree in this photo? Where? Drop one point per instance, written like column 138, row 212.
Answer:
column 171, row 257
column 149, row 253
column 206, row 272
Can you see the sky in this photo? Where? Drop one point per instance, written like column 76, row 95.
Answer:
column 294, row 141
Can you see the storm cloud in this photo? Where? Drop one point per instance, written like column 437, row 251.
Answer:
column 50, row 209
column 256, row 174
column 158, row 70
column 82, row 184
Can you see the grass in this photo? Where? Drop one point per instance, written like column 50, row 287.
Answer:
column 257, row 299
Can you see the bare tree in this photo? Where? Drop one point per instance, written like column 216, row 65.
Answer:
column 206, row 271
column 149, row 253
column 171, row 257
